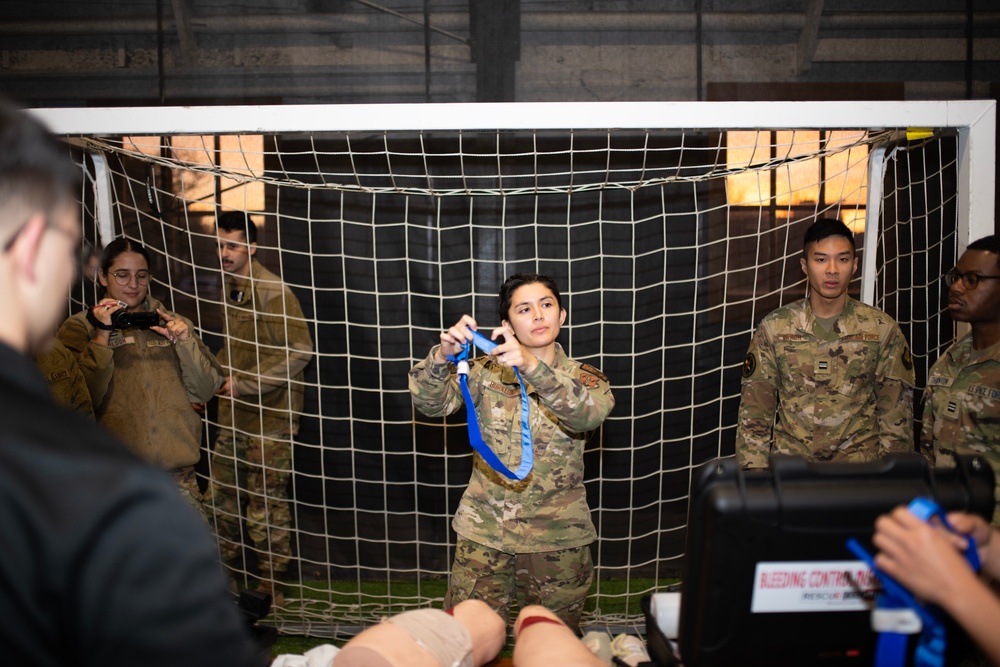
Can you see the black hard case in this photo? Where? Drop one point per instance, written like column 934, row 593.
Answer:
column 795, row 511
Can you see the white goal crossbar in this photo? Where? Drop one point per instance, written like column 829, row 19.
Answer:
column 974, row 120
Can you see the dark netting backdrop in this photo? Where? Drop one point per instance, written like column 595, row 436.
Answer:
column 389, row 238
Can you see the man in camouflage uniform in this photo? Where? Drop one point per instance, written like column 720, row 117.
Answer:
column 267, row 347
column 527, row 539
column 961, row 407
column 828, row 378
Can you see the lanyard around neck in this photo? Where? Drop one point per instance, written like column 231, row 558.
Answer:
column 475, row 434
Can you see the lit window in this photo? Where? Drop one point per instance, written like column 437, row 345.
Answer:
column 242, row 156
column 797, row 183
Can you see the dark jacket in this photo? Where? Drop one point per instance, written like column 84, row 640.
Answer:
column 103, row 562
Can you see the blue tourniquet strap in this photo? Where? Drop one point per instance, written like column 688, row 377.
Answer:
column 926, row 509
column 891, row 647
column 475, row 433
column 930, row 651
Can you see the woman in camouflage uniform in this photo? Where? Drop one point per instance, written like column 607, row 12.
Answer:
column 526, row 538
column 144, row 382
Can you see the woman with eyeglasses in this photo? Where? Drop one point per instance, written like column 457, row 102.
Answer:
column 145, row 367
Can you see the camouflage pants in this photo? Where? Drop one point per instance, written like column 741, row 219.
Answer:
column 250, row 475
column 557, row 580
column 187, row 482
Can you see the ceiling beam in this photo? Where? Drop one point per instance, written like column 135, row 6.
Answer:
column 530, row 22
column 185, row 33
column 809, row 37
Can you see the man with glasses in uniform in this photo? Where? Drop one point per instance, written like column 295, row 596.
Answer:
column 961, row 406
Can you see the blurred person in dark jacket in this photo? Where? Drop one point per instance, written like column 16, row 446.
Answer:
column 103, row 562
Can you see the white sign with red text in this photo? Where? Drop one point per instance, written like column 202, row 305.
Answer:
column 813, row 586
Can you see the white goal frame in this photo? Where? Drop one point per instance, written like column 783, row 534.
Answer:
column 969, row 125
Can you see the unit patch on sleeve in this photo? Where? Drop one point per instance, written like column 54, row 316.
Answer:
column 749, row 365
column 590, row 370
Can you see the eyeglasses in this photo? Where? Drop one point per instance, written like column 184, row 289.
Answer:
column 79, row 257
column 969, row 279
column 125, row 277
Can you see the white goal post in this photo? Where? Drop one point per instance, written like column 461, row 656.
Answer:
column 672, row 228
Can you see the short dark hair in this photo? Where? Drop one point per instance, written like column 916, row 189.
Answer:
column 519, row 279
column 825, row 228
column 36, row 172
column 117, row 247
column 238, row 221
column 989, row 243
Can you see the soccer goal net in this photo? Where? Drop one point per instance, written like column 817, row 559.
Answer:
column 671, row 229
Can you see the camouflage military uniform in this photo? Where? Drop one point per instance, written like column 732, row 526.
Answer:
column 845, row 396
column 267, row 347
column 545, row 515
column 961, row 410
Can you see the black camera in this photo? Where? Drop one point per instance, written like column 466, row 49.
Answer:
column 123, row 319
